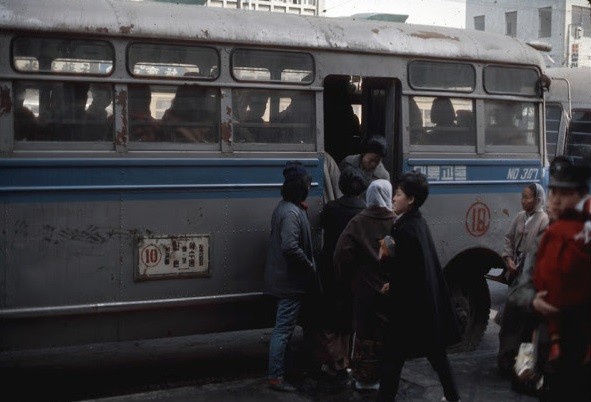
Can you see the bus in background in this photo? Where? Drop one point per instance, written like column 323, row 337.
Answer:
column 568, row 113
column 142, row 146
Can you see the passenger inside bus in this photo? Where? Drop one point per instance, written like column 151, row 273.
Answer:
column 253, row 108
column 443, row 117
column 25, row 122
column 296, row 120
column 97, row 121
column 190, row 116
column 67, row 107
column 142, row 126
column 341, row 124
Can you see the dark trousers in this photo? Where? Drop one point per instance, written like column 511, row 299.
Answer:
column 391, row 368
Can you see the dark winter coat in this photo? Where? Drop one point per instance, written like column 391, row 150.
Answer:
column 420, row 310
column 289, row 269
column 356, row 255
column 335, row 305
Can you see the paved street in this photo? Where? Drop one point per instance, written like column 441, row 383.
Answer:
column 226, row 367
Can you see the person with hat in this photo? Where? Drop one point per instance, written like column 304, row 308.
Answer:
column 289, row 269
column 373, row 150
column 556, row 284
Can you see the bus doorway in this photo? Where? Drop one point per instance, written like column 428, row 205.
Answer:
column 356, row 108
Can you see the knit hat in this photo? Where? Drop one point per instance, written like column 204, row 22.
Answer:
column 294, row 170
column 565, row 174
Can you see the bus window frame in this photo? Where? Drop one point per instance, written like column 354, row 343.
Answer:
column 173, row 78
column 410, row 83
column 492, row 92
column 272, row 82
column 61, row 73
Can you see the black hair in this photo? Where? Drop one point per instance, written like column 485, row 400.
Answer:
column 375, row 145
column 352, row 182
column 414, row 184
column 297, row 182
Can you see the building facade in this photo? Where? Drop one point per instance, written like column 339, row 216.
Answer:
column 565, row 24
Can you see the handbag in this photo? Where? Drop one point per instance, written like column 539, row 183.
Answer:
column 527, row 374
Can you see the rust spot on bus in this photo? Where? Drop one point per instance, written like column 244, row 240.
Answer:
column 121, row 135
column 126, row 29
column 227, row 131
column 102, row 30
column 205, row 33
column 375, row 30
column 433, row 35
column 5, row 101
column 229, row 111
column 505, row 212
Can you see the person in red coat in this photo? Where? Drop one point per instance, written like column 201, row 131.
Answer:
column 563, row 272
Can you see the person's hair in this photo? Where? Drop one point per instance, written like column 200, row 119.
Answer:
column 375, row 145
column 564, row 173
column 295, row 187
column 352, row 182
column 533, row 188
column 414, row 184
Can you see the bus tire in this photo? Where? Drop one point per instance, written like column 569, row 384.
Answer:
column 470, row 299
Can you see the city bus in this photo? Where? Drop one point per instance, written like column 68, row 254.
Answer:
column 568, row 113
column 142, row 148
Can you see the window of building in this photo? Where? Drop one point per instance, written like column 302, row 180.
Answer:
column 581, row 16
column 511, row 24
column 479, row 23
column 545, row 22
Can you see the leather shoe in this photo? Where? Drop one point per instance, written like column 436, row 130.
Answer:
column 282, row 386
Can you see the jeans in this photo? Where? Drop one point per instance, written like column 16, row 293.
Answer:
column 285, row 323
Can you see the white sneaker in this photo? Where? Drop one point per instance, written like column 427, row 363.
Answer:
column 367, row 386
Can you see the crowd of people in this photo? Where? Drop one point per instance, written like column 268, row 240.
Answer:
column 378, row 258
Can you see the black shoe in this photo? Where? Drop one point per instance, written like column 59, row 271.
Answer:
column 282, row 387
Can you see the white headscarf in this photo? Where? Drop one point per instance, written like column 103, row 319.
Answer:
column 379, row 193
column 540, row 198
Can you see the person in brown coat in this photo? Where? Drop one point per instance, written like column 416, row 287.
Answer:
column 356, row 255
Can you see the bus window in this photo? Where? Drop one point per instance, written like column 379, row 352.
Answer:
column 442, row 121
column 578, row 140
column 553, row 118
column 510, row 123
column 63, row 111
column 511, row 80
column 442, row 76
column 273, row 116
column 189, row 62
column 184, row 114
column 63, row 56
column 272, row 66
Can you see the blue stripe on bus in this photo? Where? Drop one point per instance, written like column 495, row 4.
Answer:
column 29, row 180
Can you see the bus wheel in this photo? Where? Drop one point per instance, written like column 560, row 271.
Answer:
column 471, row 301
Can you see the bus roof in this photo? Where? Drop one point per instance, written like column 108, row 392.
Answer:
column 206, row 24
column 580, row 85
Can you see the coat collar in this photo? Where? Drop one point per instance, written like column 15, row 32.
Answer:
column 412, row 214
column 378, row 212
column 349, row 201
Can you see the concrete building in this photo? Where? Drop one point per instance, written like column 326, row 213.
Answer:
column 565, row 24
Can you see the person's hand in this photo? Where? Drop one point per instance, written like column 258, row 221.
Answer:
column 511, row 265
column 386, row 288
column 542, row 307
column 383, row 251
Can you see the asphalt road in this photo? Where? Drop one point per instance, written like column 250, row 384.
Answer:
column 225, row 367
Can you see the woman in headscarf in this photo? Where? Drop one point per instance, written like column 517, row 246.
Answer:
column 516, row 325
column 356, row 256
